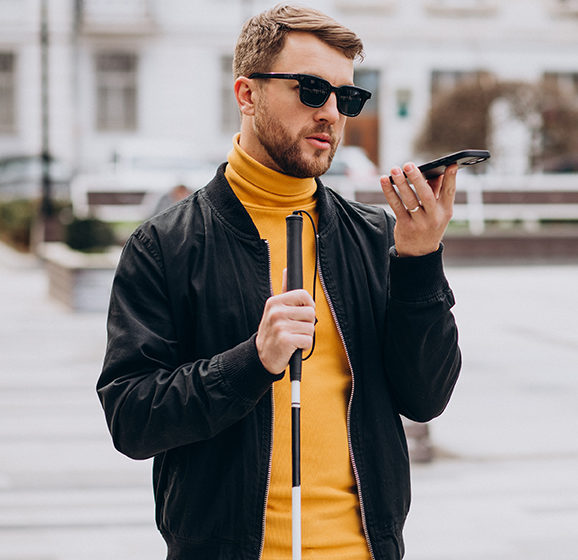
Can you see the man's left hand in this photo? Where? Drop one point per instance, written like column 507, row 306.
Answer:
column 423, row 213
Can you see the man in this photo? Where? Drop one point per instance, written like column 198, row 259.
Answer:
column 201, row 329
column 177, row 193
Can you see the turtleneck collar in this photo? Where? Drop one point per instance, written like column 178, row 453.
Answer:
column 255, row 184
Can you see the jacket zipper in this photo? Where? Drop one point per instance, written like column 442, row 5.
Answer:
column 272, row 424
column 353, row 464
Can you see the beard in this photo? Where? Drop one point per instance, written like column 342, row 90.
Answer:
column 286, row 152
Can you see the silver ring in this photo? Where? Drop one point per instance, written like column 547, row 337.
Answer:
column 415, row 209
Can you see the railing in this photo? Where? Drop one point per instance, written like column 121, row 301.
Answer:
column 480, row 199
column 528, row 199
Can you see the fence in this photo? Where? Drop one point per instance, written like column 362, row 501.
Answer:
column 529, row 199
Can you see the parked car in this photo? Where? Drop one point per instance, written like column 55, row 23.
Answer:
column 21, row 177
column 350, row 171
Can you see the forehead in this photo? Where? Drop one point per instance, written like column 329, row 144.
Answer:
column 306, row 54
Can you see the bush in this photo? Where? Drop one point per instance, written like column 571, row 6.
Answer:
column 16, row 219
column 89, row 235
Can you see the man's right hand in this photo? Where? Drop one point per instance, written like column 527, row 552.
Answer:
column 288, row 324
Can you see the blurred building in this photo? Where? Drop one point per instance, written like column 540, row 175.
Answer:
column 154, row 76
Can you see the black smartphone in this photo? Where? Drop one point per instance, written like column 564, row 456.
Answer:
column 437, row 167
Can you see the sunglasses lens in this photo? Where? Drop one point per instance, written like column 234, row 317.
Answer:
column 350, row 100
column 313, row 92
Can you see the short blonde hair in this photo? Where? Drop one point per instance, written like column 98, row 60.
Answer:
column 263, row 37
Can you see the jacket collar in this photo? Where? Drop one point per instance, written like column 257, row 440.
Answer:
column 229, row 207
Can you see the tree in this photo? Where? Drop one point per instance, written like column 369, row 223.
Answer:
column 461, row 118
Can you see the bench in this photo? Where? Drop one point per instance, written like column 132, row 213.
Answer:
column 116, row 206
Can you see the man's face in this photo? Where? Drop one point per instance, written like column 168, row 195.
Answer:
column 292, row 138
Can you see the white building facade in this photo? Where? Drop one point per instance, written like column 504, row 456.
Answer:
column 157, row 73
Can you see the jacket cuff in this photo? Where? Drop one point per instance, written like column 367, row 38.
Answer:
column 243, row 371
column 417, row 279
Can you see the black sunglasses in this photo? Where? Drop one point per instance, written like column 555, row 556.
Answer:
column 315, row 91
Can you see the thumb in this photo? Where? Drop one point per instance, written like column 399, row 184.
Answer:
column 284, row 284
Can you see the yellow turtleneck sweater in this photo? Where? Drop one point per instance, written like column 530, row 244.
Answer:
column 331, row 519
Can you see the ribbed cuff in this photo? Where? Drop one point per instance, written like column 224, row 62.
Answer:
column 243, row 371
column 417, row 279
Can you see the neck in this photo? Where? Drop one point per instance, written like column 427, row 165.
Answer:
column 255, row 183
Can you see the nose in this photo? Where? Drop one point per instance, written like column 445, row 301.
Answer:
column 328, row 111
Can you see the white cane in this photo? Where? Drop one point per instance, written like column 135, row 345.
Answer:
column 294, row 282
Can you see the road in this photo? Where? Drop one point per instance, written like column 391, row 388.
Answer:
column 503, row 485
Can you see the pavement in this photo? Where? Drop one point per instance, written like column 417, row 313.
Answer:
column 503, row 484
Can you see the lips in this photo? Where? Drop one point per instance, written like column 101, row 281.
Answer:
column 320, row 137
column 320, row 140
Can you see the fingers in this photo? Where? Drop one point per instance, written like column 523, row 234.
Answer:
column 402, row 198
column 288, row 324
column 448, row 187
column 436, row 185
column 422, row 192
column 423, row 210
column 425, row 193
column 295, row 298
column 293, row 311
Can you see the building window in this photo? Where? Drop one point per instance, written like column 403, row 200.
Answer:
column 115, row 17
column 230, row 118
column 116, row 91
column 113, row 10
column 463, row 7
column 7, row 93
column 372, row 7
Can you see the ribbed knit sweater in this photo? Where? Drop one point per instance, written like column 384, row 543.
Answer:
column 331, row 520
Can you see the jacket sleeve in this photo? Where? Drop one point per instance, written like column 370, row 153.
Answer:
column 422, row 354
column 152, row 402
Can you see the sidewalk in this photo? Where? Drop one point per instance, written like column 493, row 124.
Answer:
column 503, row 485
column 65, row 493
column 508, row 489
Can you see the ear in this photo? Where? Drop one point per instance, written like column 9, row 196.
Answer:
column 244, row 92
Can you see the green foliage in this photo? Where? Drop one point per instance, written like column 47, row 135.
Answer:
column 89, row 235
column 16, row 219
column 18, row 216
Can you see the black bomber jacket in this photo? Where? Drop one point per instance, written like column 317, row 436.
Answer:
column 182, row 381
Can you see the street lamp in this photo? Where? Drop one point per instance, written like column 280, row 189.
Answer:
column 47, row 224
